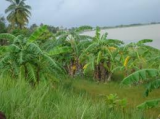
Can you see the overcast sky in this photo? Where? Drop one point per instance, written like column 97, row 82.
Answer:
column 71, row 13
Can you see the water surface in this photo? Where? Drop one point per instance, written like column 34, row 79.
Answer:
column 133, row 34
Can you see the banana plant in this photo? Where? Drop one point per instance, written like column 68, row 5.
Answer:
column 100, row 56
column 24, row 58
column 73, row 41
column 154, row 58
column 151, row 75
column 135, row 55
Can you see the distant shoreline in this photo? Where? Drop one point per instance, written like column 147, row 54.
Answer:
column 124, row 26
column 130, row 25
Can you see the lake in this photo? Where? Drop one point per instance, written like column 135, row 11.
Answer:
column 133, row 34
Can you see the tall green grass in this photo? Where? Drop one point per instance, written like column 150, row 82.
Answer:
column 20, row 100
column 134, row 94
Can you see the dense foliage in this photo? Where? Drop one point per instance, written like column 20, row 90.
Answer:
column 43, row 55
column 33, row 60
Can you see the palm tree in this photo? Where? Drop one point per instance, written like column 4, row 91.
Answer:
column 19, row 13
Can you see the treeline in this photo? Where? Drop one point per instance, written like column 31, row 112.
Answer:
column 7, row 28
column 129, row 25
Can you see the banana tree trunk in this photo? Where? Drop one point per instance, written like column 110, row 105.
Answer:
column 103, row 72
column 69, row 70
column 72, row 68
column 97, row 73
column 108, row 72
column 109, row 77
column 78, row 66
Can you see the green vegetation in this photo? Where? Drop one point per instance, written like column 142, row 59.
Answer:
column 48, row 72
column 44, row 57
column 2, row 25
column 143, row 75
column 133, row 95
column 19, row 100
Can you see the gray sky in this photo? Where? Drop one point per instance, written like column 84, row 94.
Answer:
column 70, row 13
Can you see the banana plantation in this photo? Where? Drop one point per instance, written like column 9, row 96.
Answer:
column 49, row 72
column 67, row 54
column 36, row 58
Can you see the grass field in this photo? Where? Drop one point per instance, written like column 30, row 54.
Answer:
column 20, row 100
column 133, row 94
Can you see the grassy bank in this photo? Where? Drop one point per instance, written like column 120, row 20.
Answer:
column 20, row 100
column 133, row 94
